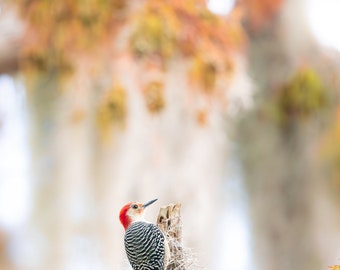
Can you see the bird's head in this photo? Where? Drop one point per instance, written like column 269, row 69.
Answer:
column 133, row 211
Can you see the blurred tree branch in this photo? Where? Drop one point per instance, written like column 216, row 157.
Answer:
column 11, row 33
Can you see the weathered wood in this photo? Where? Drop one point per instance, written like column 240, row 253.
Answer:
column 169, row 220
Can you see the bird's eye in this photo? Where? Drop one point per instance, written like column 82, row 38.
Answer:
column 134, row 206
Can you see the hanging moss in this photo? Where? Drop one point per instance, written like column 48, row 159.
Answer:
column 154, row 96
column 167, row 27
column 112, row 110
column 205, row 73
column 58, row 30
column 301, row 97
column 163, row 30
column 153, row 35
column 45, row 61
column 36, row 61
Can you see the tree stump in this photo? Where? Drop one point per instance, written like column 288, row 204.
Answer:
column 169, row 220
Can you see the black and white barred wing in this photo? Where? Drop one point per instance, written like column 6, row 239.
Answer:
column 144, row 244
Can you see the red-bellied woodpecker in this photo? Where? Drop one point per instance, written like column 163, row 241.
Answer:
column 145, row 245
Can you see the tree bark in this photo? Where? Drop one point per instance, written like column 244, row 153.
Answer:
column 169, row 220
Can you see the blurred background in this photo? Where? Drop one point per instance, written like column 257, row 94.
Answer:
column 229, row 107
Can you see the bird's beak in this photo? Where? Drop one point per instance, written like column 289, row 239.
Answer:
column 148, row 203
